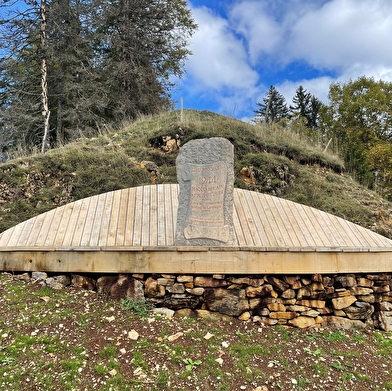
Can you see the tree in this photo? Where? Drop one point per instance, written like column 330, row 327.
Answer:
column 301, row 103
column 314, row 115
column 98, row 61
column 306, row 106
column 140, row 46
column 273, row 108
column 358, row 117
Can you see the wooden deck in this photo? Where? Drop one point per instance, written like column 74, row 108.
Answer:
column 132, row 231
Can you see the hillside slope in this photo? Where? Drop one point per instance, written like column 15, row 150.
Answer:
column 269, row 160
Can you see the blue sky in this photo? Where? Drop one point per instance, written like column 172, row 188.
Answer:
column 244, row 46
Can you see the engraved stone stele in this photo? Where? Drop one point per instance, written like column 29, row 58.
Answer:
column 205, row 174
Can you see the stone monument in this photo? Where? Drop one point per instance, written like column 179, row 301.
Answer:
column 205, row 173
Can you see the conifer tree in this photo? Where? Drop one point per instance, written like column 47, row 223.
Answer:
column 273, row 108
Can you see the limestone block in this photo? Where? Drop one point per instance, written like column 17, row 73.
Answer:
column 209, row 282
column 302, row 322
column 153, row 289
column 196, row 291
column 344, row 323
column 176, row 288
column 228, row 302
column 312, row 303
column 365, row 282
column 183, row 278
column 255, row 282
column 368, row 298
column 311, row 313
column 382, row 289
column 121, row 286
column 385, row 319
column 345, row 281
column 83, row 282
column 291, row 280
column 279, row 285
column 261, row 291
column 317, row 278
column 343, row 302
column 363, row 312
column 288, row 294
column 385, row 306
column 283, row 315
column 276, row 307
column 358, row 290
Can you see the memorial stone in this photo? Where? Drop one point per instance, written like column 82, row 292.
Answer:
column 205, row 174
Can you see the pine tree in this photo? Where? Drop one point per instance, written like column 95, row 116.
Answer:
column 314, row 114
column 273, row 108
column 301, row 104
column 100, row 61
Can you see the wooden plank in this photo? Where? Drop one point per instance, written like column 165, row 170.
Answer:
column 129, row 228
column 328, row 229
column 88, row 226
column 62, row 227
column 82, row 218
column 170, row 235
column 197, row 262
column 6, row 236
column 313, row 226
column 161, row 226
column 260, row 222
column 112, row 233
column 301, row 230
column 106, row 217
column 146, row 223
column 251, row 216
column 243, row 221
column 54, row 227
column 281, row 208
column 48, row 224
column 259, row 200
column 73, row 222
column 239, row 234
column 97, row 220
column 153, row 208
column 35, row 230
column 369, row 237
column 346, row 237
column 174, row 207
column 137, row 232
column 278, row 232
column 122, row 218
column 27, row 229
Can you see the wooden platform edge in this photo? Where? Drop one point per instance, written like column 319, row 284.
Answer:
column 208, row 261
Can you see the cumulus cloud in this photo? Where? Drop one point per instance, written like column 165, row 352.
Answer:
column 219, row 58
column 239, row 53
column 342, row 33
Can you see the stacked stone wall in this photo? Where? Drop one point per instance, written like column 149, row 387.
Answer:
column 345, row 301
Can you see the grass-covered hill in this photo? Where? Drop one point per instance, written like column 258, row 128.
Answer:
column 267, row 159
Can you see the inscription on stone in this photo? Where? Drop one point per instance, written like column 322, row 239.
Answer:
column 206, row 178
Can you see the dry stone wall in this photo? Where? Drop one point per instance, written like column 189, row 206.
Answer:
column 349, row 301
column 343, row 301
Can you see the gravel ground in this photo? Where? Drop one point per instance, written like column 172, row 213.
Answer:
column 78, row 340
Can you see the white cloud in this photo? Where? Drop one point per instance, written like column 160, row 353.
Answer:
column 342, row 33
column 219, row 59
column 261, row 31
column 238, row 56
